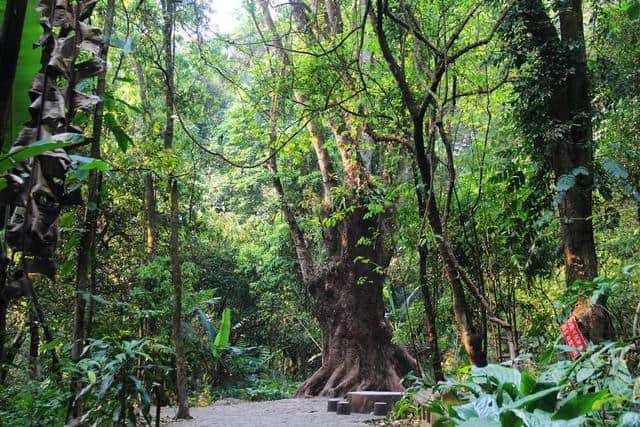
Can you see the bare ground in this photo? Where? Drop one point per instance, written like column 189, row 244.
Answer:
column 287, row 412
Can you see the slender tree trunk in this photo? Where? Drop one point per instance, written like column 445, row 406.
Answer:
column 10, row 37
column 176, row 279
column 4, row 306
column 34, row 343
column 150, row 204
column 430, row 312
column 430, row 318
column 151, row 238
column 181, row 371
column 87, row 243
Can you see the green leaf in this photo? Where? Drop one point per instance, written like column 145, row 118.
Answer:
column 222, row 337
column 499, row 374
column 88, row 163
column 27, row 67
column 582, row 405
column 92, row 377
column 480, row 422
column 584, row 373
column 533, row 398
column 122, row 138
column 539, row 418
column 206, row 325
column 35, row 149
column 528, row 384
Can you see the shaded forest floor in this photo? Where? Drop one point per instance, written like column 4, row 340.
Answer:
column 286, row 412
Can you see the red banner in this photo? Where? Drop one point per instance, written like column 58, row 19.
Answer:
column 573, row 337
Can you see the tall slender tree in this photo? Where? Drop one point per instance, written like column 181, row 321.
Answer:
column 168, row 10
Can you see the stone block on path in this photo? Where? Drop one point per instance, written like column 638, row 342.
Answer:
column 363, row 401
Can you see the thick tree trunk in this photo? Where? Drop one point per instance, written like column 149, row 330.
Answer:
column 357, row 350
column 576, row 209
column 570, row 110
column 10, row 37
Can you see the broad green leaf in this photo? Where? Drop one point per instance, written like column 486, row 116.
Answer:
column 527, row 384
column 500, row 374
column 206, row 325
column 222, row 337
column 34, row 149
column 27, row 67
column 533, row 398
column 581, row 405
column 480, row 422
column 539, row 418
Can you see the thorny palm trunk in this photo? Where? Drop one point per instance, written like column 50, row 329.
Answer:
column 87, row 243
column 572, row 147
column 10, row 37
column 176, row 279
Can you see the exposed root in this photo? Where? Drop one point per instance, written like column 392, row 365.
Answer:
column 381, row 371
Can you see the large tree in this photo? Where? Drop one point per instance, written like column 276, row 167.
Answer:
column 346, row 287
column 555, row 109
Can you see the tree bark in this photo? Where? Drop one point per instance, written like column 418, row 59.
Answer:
column 571, row 147
column 176, row 279
column 347, row 291
column 10, row 37
column 150, row 204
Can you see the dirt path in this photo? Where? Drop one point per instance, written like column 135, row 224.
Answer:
column 288, row 412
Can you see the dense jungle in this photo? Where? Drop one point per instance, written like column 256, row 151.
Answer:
column 257, row 200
